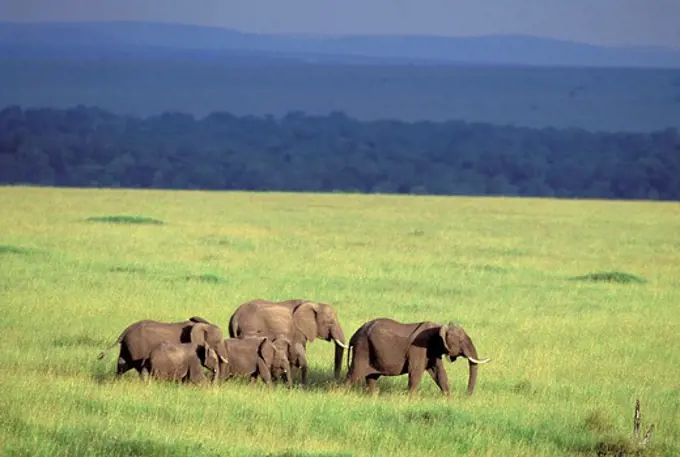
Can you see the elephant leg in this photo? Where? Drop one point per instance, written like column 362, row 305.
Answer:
column 124, row 361
column 123, row 366
column 196, row 376
column 303, row 371
column 144, row 374
column 263, row 371
column 293, row 371
column 414, row 377
column 358, row 369
column 438, row 373
column 371, row 380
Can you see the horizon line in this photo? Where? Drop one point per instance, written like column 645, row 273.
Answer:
column 341, row 36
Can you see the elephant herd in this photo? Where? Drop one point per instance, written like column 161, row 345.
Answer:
column 268, row 340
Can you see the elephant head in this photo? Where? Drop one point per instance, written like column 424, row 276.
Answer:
column 321, row 320
column 209, row 335
column 296, row 355
column 210, row 360
column 458, row 343
column 275, row 356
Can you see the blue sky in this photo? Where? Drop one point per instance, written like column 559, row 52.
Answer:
column 609, row 22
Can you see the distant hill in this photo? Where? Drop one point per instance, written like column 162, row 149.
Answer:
column 148, row 40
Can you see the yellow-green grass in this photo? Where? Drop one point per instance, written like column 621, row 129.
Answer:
column 569, row 357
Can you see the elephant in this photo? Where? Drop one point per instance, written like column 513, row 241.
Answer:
column 255, row 357
column 297, row 356
column 386, row 347
column 299, row 321
column 139, row 338
column 181, row 362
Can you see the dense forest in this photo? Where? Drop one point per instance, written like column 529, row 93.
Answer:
column 90, row 147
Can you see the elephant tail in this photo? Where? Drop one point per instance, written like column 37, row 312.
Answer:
column 350, row 348
column 233, row 326
column 118, row 341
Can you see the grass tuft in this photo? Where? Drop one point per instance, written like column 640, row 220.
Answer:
column 127, row 269
column 308, row 454
column 620, row 446
column 9, row 249
column 209, row 278
column 597, row 421
column 73, row 341
column 611, row 276
column 125, row 220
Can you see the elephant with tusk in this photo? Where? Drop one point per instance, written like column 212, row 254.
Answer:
column 138, row 339
column 385, row 347
column 181, row 362
column 299, row 321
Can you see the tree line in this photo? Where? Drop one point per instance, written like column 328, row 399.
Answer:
column 90, row 147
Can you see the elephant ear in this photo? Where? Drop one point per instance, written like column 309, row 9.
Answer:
column 198, row 319
column 198, row 333
column 304, row 316
column 442, row 333
column 266, row 350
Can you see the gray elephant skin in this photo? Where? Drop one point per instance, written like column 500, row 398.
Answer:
column 180, row 362
column 386, row 347
column 138, row 339
column 299, row 321
column 297, row 356
column 255, row 357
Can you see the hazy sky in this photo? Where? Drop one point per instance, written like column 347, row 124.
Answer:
column 612, row 22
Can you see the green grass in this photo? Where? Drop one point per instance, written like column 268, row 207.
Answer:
column 569, row 358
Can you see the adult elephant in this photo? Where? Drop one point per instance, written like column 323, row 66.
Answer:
column 139, row 339
column 386, row 347
column 297, row 320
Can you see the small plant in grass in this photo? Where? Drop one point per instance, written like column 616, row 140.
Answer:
column 620, row 446
column 125, row 220
column 611, row 276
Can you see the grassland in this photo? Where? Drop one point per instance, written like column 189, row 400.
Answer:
column 569, row 357
column 591, row 98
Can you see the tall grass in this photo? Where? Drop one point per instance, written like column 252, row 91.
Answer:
column 569, row 357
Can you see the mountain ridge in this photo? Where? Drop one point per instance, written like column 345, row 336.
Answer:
column 117, row 39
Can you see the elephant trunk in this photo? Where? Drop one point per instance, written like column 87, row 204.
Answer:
column 472, row 380
column 470, row 352
column 340, row 345
column 216, row 373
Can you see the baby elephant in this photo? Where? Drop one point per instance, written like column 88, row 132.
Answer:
column 297, row 357
column 255, row 357
column 180, row 362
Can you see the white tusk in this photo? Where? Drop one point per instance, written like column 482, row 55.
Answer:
column 223, row 359
column 342, row 345
column 473, row 360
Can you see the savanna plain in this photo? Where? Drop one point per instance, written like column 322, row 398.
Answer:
column 569, row 356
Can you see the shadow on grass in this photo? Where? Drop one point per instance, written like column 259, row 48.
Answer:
column 120, row 219
column 611, row 277
column 15, row 250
